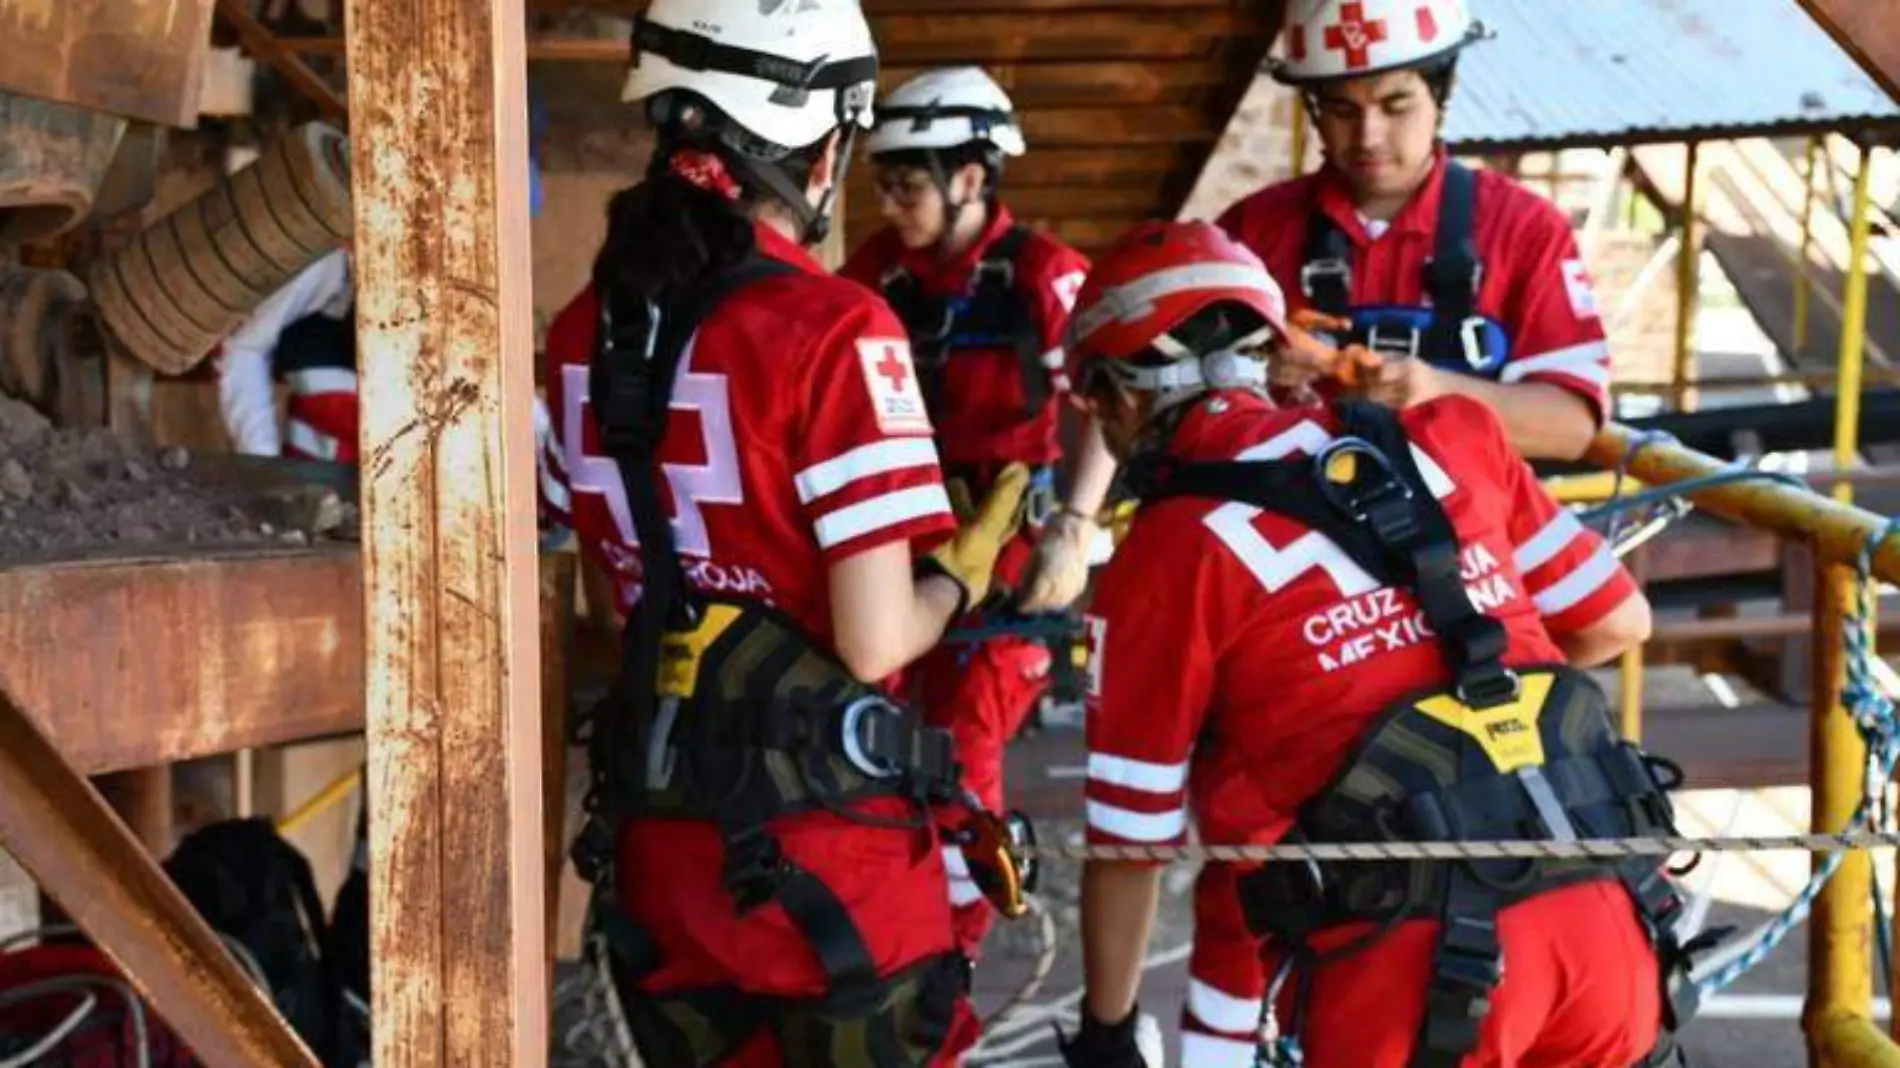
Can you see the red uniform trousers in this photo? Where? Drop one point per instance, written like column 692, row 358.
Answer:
column 891, row 881
column 1580, row 987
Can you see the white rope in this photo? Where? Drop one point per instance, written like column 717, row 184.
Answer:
column 1578, row 849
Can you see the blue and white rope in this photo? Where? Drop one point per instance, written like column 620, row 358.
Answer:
column 1873, row 715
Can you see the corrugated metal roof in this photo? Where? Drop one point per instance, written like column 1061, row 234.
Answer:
column 1603, row 71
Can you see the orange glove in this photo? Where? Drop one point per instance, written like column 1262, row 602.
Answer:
column 1348, row 365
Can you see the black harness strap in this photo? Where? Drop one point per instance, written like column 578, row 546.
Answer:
column 1454, row 273
column 996, row 310
column 1326, row 274
column 1386, row 519
column 630, row 386
column 1451, row 277
column 1384, row 516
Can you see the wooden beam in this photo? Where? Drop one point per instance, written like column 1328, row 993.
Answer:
column 138, row 58
column 1067, row 127
column 1003, row 37
column 437, row 89
column 1099, row 165
column 262, row 44
column 61, row 831
column 216, row 651
column 1868, row 30
column 1056, row 202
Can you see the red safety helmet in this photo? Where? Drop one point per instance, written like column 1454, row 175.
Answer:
column 1153, row 280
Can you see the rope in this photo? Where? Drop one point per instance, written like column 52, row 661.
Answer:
column 1873, row 715
column 1676, row 490
column 1038, row 972
column 1621, row 471
column 1577, row 849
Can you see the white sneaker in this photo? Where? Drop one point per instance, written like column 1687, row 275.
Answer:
column 1148, row 1041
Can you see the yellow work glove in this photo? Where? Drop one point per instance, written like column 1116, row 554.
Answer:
column 969, row 557
column 1059, row 565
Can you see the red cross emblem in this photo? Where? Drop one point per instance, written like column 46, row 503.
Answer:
column 1353, row 34
column 894, row 369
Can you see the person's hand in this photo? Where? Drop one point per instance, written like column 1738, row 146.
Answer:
column 969, row 557
column 1059, row 564
column 1302, row 357
column 1400, row 384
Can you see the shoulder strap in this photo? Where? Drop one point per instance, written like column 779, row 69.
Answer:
column 1326, row 273
column 999, row 302
column 630, row 386
column 1454, row 273
column 1379, row 510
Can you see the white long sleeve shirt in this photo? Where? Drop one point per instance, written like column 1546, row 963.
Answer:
column 245, row 394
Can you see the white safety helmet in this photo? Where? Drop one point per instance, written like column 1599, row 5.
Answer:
column 782, row 74
column 1330, row 39
column 788, row 71
column 947, row 108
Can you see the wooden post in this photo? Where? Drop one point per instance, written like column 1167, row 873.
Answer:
column 439, row 150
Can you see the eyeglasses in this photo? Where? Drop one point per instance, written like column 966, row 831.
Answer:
column 906, row 187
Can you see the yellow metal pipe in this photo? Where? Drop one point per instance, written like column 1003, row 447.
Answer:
column 1801, row 280
column 1840, row 932
column 1853, row 332
column 1850, row 1041
column 1836, row 531
column 338, row 789
column 1686, row 263
column 1588, row 489
column 1630, row 692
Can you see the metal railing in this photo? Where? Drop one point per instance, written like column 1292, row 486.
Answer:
column 1843, row 538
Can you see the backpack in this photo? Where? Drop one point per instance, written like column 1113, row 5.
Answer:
column 256, row 889
column 65, row 1004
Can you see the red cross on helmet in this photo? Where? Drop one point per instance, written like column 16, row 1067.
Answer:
column 1130, row 316
column 1327, row 39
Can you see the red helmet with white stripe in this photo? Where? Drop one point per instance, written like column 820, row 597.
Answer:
column 1151, row 312
column 1330, row 39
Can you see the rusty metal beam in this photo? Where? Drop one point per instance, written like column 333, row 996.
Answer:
column 265, row 45
column 61, row 831
column 215, row 652
column 1868, row 30
column 457, row 871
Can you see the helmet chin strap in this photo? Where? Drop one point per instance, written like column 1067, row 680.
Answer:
column 1185, row 377
column 814, row 220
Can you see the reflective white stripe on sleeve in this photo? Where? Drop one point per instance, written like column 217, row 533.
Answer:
column 308, row 440
column 1222, row 1011
column 1547, row 543
column 1055, row 358
column 1570, row 591
column 963, row 889
column 553, row 488
column 880, row 513
column 1137, row 826
column 1141, row 775
column 313, row 380
column 1588, row 361
column 1209, row 1051
column 877, row 458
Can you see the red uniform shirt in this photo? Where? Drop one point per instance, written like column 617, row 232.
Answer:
column 1237, row 655
column 797, row 437
column 1534, row 282
column 983, row 421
